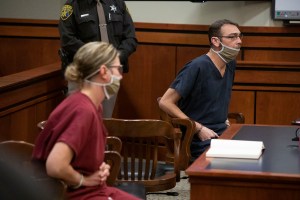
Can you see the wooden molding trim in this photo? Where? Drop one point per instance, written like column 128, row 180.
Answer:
column 27, row 21
column 267, row 64
column 5, row 23
column 29, row 31
column 56, row 94
column 17, row 79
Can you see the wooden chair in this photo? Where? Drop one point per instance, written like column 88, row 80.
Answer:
column 185, row 152
column 29, row 177
column 140, row 144
column 185, row 157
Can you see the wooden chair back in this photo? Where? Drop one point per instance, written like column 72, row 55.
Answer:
column 17, row 155
column 113, row 158
column 140, row 147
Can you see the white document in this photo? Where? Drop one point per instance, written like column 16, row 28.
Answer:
column 235, row 149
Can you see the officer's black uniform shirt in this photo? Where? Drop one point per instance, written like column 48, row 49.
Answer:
column 79, row 24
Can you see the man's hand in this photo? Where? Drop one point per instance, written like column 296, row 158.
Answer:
column 227, row 122
column 205, row 133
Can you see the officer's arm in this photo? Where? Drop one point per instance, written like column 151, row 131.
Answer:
column 129, row 41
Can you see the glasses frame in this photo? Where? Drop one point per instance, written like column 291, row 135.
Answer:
column 119, row 67
column 232, row 37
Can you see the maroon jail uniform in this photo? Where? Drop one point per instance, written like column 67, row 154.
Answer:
column 78, row 123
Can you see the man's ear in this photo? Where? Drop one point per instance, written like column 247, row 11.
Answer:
column 215, row 41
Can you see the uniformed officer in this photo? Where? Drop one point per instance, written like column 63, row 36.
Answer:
column 79, row 24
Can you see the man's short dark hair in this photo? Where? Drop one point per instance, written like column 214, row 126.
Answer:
column 215, row 28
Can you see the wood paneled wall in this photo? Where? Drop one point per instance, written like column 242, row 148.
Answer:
column 27, row 98
column 266, row 90
column 27, row 44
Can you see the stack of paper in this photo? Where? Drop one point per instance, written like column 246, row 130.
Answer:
column 235, row 149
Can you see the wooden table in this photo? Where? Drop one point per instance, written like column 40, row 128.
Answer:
column 275, row 175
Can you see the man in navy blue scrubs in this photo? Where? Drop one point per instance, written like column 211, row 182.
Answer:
column 202, row 89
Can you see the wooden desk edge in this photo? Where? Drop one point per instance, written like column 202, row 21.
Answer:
column 199, row 166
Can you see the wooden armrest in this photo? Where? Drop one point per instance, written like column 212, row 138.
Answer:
column 189, row 124
column 113, row 144
column 186, row 140
column 177, row 149
column 113, row 159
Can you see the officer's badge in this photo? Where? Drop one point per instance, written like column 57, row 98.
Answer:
column 66, row 12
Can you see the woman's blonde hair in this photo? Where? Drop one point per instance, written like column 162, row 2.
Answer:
column 88, row 59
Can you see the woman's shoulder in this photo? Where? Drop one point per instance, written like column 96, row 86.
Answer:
column 76, row 103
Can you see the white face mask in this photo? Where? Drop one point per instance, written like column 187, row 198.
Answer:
column 111, row 88
column 227, row 53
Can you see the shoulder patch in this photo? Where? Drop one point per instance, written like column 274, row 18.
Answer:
column 66, row 12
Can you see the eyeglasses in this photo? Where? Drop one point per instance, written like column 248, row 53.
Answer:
column 232, row 37
column 119, row 67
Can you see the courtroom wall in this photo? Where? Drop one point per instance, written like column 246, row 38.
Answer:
column 266, row 89
column 246, row 13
